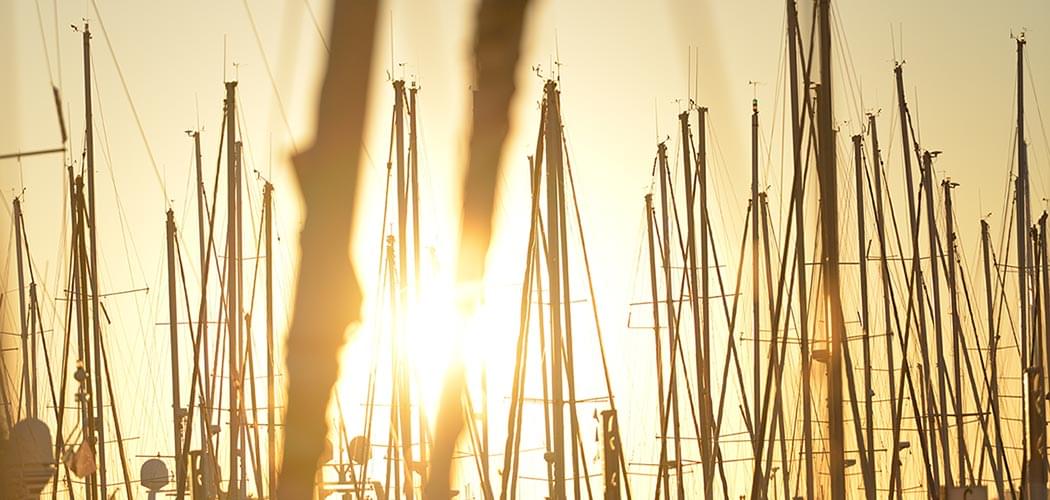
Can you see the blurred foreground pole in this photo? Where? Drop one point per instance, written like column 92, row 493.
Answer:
column 327, row 294
column 496, row 51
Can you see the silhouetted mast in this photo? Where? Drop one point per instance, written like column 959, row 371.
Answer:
column 28, row 379
column 554, row 165
column 756, row 325
column 829, row 238
column 173, row 338
column 672, row 327
column 868, row 461
column 233, row 280
column 800, row 245
column 938, row 331
column 663, row 479
column 271, row 399
column 92, row 271
column 957, row 333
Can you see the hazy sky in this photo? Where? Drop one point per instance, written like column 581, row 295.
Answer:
column 624, row 77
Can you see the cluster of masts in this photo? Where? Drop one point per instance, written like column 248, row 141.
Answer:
column 844, row 424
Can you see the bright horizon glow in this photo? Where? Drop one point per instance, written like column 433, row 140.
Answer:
column 624, row 76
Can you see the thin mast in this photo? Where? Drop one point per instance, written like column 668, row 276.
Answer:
column 993, row 343
column 202, row 322
column 887, row 289
column 553, row 149
column 89, row 144
column 27, row 378
column 402, row 379
column 663, row 480
column 232, row 288
column 271, row 399
column 756, row 324
column 705, row 328
column 800, row 247
column 672, row 327
column 1036, row 466
column 829, row 238
column 700, row 342
column 173, row 332
column 413, row 176
column 865, row 323
column 938, row 331
column 960, row 441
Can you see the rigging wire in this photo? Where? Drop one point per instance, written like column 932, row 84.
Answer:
column 131, row 103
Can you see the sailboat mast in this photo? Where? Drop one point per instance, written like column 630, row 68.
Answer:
column 800, row 246
column 756, row 324
column 700, row 341
column 672, row 327
column 84, row 355
column 232, row 288
column 554, row 230
column 202, row 323
column 403, row 391
column 887, row 289
column 829, row 238
column 705, row 300
column 960, row 441
column 993, row 343
column 271, row 399
column 413, row 176
column 1036, row 460
column 173, row 337
column 938, row 331
column 89, row 144
column 662, row 480
column 865, row 322
column 27, row 378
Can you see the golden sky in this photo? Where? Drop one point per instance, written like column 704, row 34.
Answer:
column 624, row 71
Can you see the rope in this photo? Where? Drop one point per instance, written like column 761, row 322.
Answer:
column 131, row 103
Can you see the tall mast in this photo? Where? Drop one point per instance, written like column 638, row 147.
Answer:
column 829, row 239
column 79, row 294
column 887, row 289
column 173, row 333
column 915, row 287
column 993, row 343
column 1036, row 403
column 960, row 438
column 28, row 379
column 756, row 324
column 202, row 322
column 938, row 331
column 413, row 175
column 1041, row 334
column 570, row 372
column 800, row 247
column 672, row 327
column 402, row 379
column 705, row 284
column 1036, row 461
column 199, row 171
column 89, row 144
column 865, row 323
column 663, row 479
column 700, row 342
column 271, row 399
column 233, row 299
column 554, row 163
